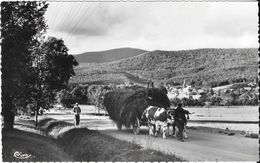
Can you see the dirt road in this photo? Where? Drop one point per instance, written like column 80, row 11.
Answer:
column 200, row 146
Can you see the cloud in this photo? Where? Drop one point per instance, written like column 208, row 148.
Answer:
column 92, row 26
column 89, row 18
column 77, row 18
column 232, row 20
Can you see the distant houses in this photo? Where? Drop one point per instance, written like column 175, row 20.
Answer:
column 187, row 91
column 183, row 92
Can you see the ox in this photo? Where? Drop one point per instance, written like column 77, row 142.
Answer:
column 157, row 118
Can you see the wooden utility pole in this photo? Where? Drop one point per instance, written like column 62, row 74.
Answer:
column 38, row 92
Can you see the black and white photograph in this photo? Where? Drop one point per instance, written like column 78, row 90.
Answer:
column 129, row 81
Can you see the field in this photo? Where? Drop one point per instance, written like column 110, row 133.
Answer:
column 231, row 113
column 243, row 118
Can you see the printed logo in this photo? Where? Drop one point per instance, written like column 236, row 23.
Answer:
column 20, row 155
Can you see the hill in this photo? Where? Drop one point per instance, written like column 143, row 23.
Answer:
column 211, row 67
column 108, row 55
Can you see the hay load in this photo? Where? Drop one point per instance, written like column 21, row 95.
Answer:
column 125, row 107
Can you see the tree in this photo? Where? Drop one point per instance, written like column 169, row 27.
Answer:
column 65, row 98
column 54, row 69
column 186, row 101
column 96, row 95
column 175, row 101
column 226, row 101
column 32, row 69
column 215, row 100
column 22, row 26
column 57, row 66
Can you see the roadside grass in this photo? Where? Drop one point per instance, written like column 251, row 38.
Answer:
column 54, row 127
column 44, row 121
column 35, row 146
column 83, row 144
column 89, row 145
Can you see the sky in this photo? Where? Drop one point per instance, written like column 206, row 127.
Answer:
column 96, row 26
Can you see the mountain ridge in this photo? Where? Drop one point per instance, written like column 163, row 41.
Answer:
column 199, row 66
column 107, row 55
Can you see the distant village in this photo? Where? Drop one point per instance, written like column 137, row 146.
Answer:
column 244, row 93
column 187, row 91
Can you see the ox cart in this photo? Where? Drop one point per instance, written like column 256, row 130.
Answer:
column 126, row 107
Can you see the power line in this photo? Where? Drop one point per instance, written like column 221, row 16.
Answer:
column 54, row 18
column 65, row 21
column 71, row 12
column 80, row 19
column 72, row 16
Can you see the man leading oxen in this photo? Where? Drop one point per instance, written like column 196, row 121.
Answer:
column 180, row 121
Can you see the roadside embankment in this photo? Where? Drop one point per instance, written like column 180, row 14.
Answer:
column 82, row 144
column 29, row 146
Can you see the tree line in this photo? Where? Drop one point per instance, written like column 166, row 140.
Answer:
column 93, row 94
column 34, row 67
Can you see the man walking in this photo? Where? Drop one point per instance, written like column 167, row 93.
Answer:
column 180, row 120
column 77, row 112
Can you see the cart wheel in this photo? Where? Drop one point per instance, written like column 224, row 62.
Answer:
column 136, row 126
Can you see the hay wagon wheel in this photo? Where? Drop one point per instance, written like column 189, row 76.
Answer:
column 136, row 126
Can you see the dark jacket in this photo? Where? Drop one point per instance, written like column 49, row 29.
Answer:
column 77, row 110
column 180, row 114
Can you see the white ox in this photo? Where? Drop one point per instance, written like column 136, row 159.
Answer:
column 158, row 118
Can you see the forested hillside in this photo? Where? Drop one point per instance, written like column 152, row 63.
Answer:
column 208, row 67
column 108, row 55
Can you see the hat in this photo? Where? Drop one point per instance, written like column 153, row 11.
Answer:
column 76, row 103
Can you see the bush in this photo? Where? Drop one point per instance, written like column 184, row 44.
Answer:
column 175, row 101
column 65, row 98
column 187, row 101
column 254, row 100
column 198, row 103
column 215, row 100
column 79, row 94
column 247, row 99
column 96, row 95
column 227, row 101
column 243, row 99
column 72, row 94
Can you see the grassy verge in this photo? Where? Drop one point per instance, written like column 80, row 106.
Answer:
column 30, row 147
column 83, row 144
